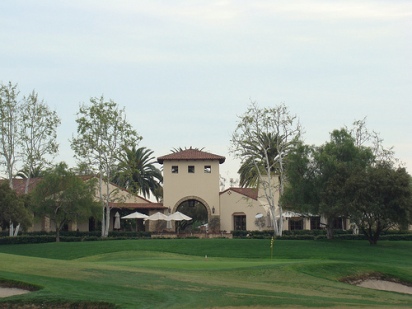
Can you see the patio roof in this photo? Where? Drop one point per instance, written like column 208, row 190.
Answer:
column 158, row 206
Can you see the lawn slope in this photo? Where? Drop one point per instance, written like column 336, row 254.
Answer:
column 206, row 273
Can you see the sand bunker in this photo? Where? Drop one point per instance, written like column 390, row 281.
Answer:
column 6, row 292
column 384, row 285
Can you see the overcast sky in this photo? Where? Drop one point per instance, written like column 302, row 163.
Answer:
column 185, row 70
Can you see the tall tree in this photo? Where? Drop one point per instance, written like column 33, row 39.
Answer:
column 249, row 176
column 137, row 172
column 9, row 127
column 262, row 140
column 37, row 134
column 64, row 197
column 102, row 133
column 380, row 199
column 318, row 175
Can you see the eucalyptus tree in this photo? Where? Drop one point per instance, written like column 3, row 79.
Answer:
column 27, row 131
column 38, row 134
column 137, row 172
column 262, row 140
column 9, row 128
column 102, row 133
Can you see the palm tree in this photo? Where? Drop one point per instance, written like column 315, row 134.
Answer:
column 34, row 173
column 261, row 156
column 179, row 149
column 27, row 174
column 137, row 173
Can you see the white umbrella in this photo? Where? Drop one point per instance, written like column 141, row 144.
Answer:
column 135, row 215
column 157, row 216
column 178, row 216
column 116, row 225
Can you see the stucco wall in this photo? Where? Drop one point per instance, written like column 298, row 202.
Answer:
column 181, row 185
column 232, row 203
column 118, row 194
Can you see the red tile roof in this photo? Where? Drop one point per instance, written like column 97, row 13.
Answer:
column 248, row 192
column 19, row 185
column 191, row 154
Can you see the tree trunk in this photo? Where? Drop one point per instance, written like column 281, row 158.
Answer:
column 373, row 235
column 102, row 201
column 107, row 225
column 280, row 225
column 329, row 228
column 57, row 234
column 274, row 222
column 26, row 188
column 103, row 220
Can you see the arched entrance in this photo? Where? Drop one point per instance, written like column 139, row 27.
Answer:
column 197, row 209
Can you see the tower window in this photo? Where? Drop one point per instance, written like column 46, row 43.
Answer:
column 208, row 169
column 175, row 169
column 191, row 169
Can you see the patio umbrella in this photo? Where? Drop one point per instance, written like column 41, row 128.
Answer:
column 157, row 216
column 135, row 215
column 178, row 216
column 116, row 225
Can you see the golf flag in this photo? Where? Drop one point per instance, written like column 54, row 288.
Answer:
column 271, row 247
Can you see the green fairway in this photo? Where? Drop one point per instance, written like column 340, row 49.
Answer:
column 207, row 273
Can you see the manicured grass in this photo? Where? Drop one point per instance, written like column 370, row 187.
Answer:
column 175, row 273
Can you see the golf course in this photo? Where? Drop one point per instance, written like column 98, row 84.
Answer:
column 204, row 273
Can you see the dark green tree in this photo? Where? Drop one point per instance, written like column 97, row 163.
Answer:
column 12, row 208
column 64, row 197
column 380, row 199
column 137, row 172
column 317, row 176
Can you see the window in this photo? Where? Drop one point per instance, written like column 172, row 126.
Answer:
column 339, row 223
column 208, row 169
column 175, row 169
column 191, row 169
column 239, row 222
column 315, row 223
column 295, row 224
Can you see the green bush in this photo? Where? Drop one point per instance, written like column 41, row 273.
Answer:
column 27, row 239
column 396, row 237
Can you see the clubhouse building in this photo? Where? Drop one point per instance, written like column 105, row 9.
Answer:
column 191, row 185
